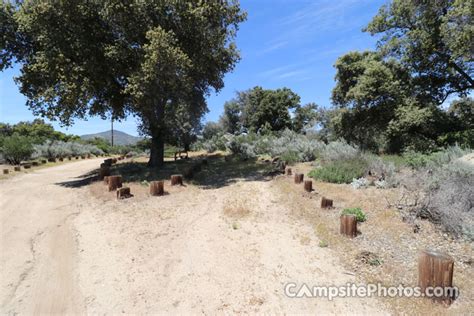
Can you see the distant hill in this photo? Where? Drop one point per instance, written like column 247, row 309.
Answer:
column 120, row 138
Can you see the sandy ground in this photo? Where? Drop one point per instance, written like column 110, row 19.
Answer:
column 225, row 250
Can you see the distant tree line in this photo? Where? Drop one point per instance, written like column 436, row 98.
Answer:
column 389, row 100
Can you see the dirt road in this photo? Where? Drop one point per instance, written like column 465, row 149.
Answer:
column 229, row 249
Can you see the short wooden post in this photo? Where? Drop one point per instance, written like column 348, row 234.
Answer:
column 288, row 171
column 123, row 193
column 27, row 166
column 6, row 171
column 61, row 159
column 299, row 178
column 176, row 179
column 108, row 162
column 435, row 269
column 43, row 161
column 348, row 225
column 114, row 160
column 69, row 158
column 115, row 182
column 308, row 185
column 35, row 164
column 77, row 157
column 104, row 171
column 326, row 203
column 51, row 159
column 17, row 168
column 157, row 188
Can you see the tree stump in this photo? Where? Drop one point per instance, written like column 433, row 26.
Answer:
column 176, row 179
column 308, row 185
column 326, row 203
column 104, row 171
column 349, row 225
column 115, row 182
column 435, row 269
column 27, row 166
column 288, row 171
column 299, row 178
column 17, row 168
column 6, row 171
column 123, row 193
column 157, row 188
column 106, row 179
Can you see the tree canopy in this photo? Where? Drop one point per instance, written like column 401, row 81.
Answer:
column 115, row 58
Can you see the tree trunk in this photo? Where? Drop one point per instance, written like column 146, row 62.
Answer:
column 157, row 150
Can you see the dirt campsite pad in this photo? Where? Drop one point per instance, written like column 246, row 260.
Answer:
column 63, row 252
column 69, row 246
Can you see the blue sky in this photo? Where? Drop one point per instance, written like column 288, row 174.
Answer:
column 283, row 43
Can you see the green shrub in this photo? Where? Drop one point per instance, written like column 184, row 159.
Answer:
column 17, row 148
column 359, row 214
column 340, row 171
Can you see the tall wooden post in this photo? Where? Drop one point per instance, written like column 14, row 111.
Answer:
column 308, row 185
column 299, row 178
column 348, row 225
column 157, row 188
column 435, row 269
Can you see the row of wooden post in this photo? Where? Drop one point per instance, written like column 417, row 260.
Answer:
column 36, row 163
column 435, row 269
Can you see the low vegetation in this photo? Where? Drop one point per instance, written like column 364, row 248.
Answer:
column 357, row 211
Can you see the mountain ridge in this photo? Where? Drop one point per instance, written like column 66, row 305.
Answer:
column 120, row 138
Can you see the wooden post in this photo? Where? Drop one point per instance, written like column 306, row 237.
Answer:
column 326, row 203
column 108, row 162
column 69, row 158
column 123, row 193
column 435, row 269
column 61, row 159
column 348, row 225
column 176, row 179
column 6, row 171
column 288, row 171
column 157, row 188
column 104, row 171
column 115, row 182
column 43, row 161
column 299, row 178
column 35, row 164
column 51, row 159
column 17, row 168
column 27, row 166
column 77, row 157
column 308, row 185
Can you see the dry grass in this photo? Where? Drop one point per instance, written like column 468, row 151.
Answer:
column 386, row 236
column 236, row 209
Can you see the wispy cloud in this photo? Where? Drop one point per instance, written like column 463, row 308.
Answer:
column 315, row 20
